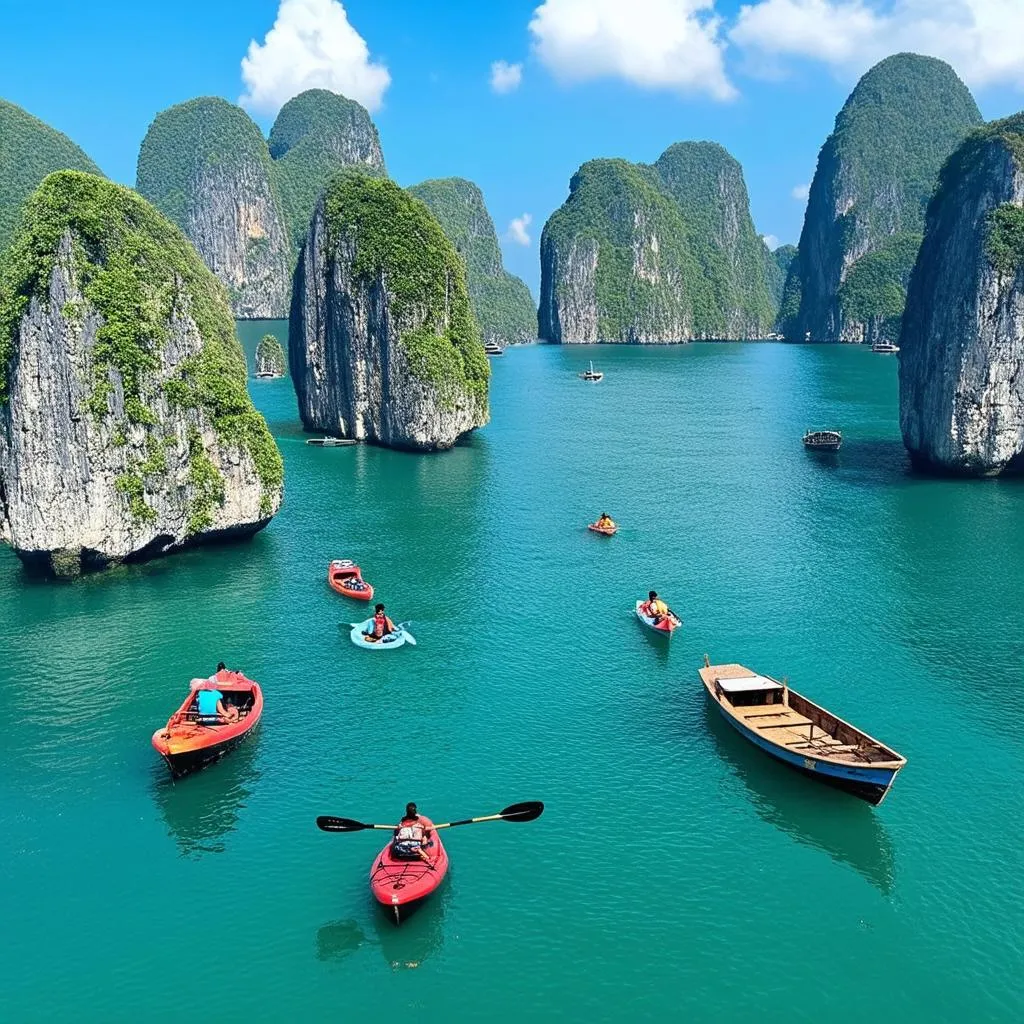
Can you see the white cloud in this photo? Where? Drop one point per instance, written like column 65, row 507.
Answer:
column 517, row 229
column 656, row 44
column 311, row 46
column 801, row 192
column 505, row 77
column 982, row 39
column 771, row 241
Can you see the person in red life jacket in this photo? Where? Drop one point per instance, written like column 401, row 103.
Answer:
column 380, row 627
column 412, row 837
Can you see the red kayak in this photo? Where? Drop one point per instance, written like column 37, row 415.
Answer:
column 402, row 884
column 187, row 744
column 666, row 626
column 346, row 578
column 605, row 531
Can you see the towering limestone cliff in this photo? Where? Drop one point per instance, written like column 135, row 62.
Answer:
column 962, row 345
column 317, row 134
column 875, row 175
column 501, row 302
column 781, row 259
column 244, row 204
column 29, row 151
column 383, row 345
column 655, row 253
column 204, row 164
column 126, row 430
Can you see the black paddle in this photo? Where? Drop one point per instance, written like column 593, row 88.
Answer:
column 528, row 811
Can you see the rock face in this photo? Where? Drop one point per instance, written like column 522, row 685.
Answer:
column 962, row 345
column 655, row 253
column 204, row 164
column 244, row 204
column 317, row 134
column 126, row 430
column 875, row 175
column 501, row 302
column 778, row 271
column 270, row 357
column 29, row 151
column 383, row 346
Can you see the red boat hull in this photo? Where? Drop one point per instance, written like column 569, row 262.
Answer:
column 341, row 581
column 604, row 531
column 186, row 745
column 666, row 627
column 401, row 885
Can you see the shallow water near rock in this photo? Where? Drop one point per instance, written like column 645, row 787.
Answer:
column 676, row 873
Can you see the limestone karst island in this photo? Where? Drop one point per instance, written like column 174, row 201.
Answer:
column 512, row 507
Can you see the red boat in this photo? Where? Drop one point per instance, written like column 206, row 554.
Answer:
column 402, row 884
column 346, row 578
column 666, row 626
column 605, row 531
column 186, row 743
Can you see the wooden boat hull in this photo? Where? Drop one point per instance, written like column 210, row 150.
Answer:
column 782, row 723
column 186, row 746
column 870, row 784
column 402, row 885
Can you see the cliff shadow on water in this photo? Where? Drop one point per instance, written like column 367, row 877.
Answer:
column 849, row 832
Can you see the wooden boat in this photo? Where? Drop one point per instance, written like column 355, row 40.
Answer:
column 345, row 577
column 591, row 374
column 799, row 733
column 187, row 743
column 823, row 440
column 330, row 442
column 402, row 885
column 492, row 348
column 885, row 347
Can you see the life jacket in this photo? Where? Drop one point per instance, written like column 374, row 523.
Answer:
column 380, row 624
column 408, row 840
column 657, row 607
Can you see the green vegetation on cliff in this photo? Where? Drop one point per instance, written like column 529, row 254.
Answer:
column 502, row 303
column 779, row 262
column 187, row 138
column 270, row 357
column 397, row 239
column 875, row 290
column 140, row 273
column 29, row 151
column 1006, row 238
column 316, row 134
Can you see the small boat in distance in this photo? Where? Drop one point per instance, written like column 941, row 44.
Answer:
column 188, row 742
column 799, row 733
column 345, row 577
column 492, row 348
column 331, row 442
column 591, row 374
column 823, row 440
column 884, row 346
column 666, row 627
column 267, row 375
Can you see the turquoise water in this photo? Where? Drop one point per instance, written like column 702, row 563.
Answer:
column 676, row 873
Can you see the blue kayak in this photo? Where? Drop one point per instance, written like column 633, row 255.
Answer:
column 387, row 642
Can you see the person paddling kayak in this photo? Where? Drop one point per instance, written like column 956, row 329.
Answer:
column 380, row 626
column 605, row 522
column 654, row 607
column 412, row 837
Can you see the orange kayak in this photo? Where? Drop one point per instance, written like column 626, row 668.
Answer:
column 345, row 577
column 186, row 744
column 605, row 531
column 666, row 627
column 402, row 884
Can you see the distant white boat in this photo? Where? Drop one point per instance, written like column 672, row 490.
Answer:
column 492, row 348
column 884, row 346
column 591, row 374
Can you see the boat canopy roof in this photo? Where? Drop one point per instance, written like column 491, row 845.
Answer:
column 748, row 684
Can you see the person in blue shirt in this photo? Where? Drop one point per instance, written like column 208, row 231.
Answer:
column 213, row 710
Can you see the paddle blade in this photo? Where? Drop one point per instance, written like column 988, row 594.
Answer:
column 328, row 823
column 528, row 811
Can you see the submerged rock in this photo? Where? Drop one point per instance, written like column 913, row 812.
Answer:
column 383, row 345
column 205, row 165
column 870, row 190
column 126, row 430
column 270, row 357
column 962, row 345
column 501, row 302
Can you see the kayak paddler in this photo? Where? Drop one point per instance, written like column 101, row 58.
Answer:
column 412, row 836
column 654, row 607
column 605, row 522
column 380, row 627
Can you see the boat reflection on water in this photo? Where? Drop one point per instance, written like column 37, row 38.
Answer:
column 201, row 810
column 848, row 830
column 420, row 935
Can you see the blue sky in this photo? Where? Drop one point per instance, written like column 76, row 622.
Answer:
column 595, row 78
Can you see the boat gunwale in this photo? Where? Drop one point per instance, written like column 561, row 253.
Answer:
column 708, row 681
